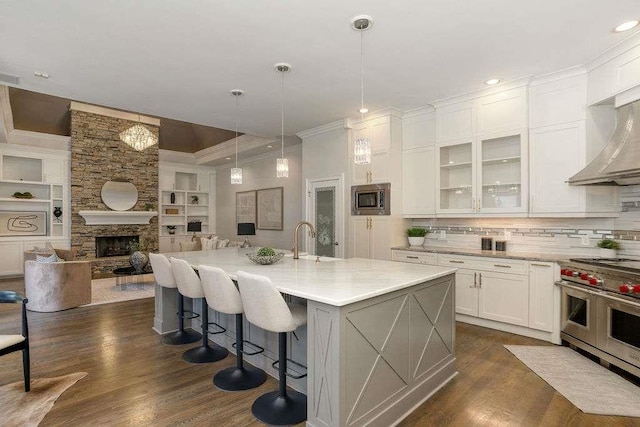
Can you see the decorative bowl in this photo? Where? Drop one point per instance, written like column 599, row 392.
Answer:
column 265, row 260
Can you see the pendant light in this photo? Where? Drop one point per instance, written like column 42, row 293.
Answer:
column 282, row 164
column 362, row 145
column 236, row 173
column 138, row 137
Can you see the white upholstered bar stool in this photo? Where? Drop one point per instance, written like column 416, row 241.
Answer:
column 265, row 307
column 161, row 267
column 190, row 286
column 223, row 296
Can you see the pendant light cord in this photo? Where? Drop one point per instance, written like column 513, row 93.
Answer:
column 361, row 75
column 282, row 115
column 237, row 130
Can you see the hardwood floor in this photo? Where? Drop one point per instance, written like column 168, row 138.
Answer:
column 135, row 380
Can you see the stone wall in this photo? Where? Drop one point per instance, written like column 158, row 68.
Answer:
column 97, row 156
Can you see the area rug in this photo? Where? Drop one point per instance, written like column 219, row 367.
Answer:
column 104, row 291
column 590, row 387
column 28, row 409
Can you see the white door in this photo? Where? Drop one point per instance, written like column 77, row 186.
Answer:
column 419, row 182
column 325, row 210
column 504, row 297
column 360, row 237
column 541, row 290
column 380, row 230
column 467, row 292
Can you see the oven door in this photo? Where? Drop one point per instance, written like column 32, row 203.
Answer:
column 618, row 329
column 579, row 313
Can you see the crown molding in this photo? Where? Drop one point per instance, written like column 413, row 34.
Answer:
column 614, row 51
column 337, row 125
column 427, row 109
column 468, row 96
column 170, row 156
column 116, row 114
column 567, row 73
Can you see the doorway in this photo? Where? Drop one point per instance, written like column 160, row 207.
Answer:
column 325, row 210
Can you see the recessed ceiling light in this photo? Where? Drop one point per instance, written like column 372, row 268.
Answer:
column 269, row 146
column 492, row 82
column 626, row 26
column 227, row 158
column 363, row 110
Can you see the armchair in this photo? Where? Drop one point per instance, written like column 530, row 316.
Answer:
column 58, row 285
column 11, row 343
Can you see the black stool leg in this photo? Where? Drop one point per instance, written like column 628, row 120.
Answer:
column 239, row 377
column 181, row 336
column 205, row 353
column 282, row 407
column 26, row 368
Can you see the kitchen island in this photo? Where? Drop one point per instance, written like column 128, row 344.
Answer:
column 380, row 335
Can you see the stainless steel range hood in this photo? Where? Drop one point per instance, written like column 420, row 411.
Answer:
column 619, row 161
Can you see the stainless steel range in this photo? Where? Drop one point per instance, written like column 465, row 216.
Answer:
column 601, row 309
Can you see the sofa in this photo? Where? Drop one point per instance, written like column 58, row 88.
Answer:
column 56, row 286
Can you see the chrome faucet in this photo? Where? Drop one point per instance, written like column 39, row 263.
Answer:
column 295, row 236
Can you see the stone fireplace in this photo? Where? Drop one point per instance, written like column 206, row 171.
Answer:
column 97, row 156
column 108, row 246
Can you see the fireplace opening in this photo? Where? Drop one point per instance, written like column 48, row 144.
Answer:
column 114, row 245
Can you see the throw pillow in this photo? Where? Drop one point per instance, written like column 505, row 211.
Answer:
column 234, row 244
column 187, row 246
column 47, row 259
column 209, row 244
column 223, row 243
column 65, row 254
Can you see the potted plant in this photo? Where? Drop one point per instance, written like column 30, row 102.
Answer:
column 608, row 248
column 416, row 236
column 194, row 200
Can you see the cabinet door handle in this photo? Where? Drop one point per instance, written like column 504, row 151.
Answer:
column 540, row 265
column 475, row 280
column 502, row 265
column 473, row 204
column 371, row 222
column 480, row 277
column 412, row 257
column 456, row 261
column 479, row 206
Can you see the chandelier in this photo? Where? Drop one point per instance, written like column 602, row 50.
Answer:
column 138, row 137
column 362, row 146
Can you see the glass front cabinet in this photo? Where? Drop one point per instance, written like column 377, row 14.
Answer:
column 483, row 175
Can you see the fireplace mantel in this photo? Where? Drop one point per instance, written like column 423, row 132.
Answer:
column 117, row 217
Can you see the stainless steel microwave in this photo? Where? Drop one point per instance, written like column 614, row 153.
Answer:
column 372, row 199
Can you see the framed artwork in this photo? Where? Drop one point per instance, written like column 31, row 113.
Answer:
column 270, row 201
column 23, row 223
column 246, row 207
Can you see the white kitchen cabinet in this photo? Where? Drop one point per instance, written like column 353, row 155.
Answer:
column 626, row 72
column 491, row 288
column 504, row 297
column 484, row 176
column 600, row 83
column 378, row 131
column 418, row 129
column 560, row 101
column 467, row 292
column 541, row 295
column 556, row 153
column 456, row 121
column 502, row 111
column 371, row 237
column 419, row 182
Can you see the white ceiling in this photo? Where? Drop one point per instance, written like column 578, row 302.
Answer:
column 179, row 59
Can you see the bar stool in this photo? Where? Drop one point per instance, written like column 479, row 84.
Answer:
column 264, row 307
column 164, row 277
column 223, row 296
column 190, row 286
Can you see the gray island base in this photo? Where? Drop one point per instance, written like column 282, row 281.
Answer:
column 380, row 336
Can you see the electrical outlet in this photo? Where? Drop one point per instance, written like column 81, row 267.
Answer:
column 585, row 241
column 443, row 235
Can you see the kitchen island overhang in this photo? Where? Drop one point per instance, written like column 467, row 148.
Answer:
column 380, row 335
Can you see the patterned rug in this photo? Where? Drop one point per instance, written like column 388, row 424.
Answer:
column 28, row 409
column 590, row 387
column 104, row 291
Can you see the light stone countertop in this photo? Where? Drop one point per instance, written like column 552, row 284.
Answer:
column 529, row 256
column 336, row 282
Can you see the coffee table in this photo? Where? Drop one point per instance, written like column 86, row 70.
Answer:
column 126, row 276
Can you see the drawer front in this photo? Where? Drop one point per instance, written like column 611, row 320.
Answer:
column 415, row 257
column 501, row 265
